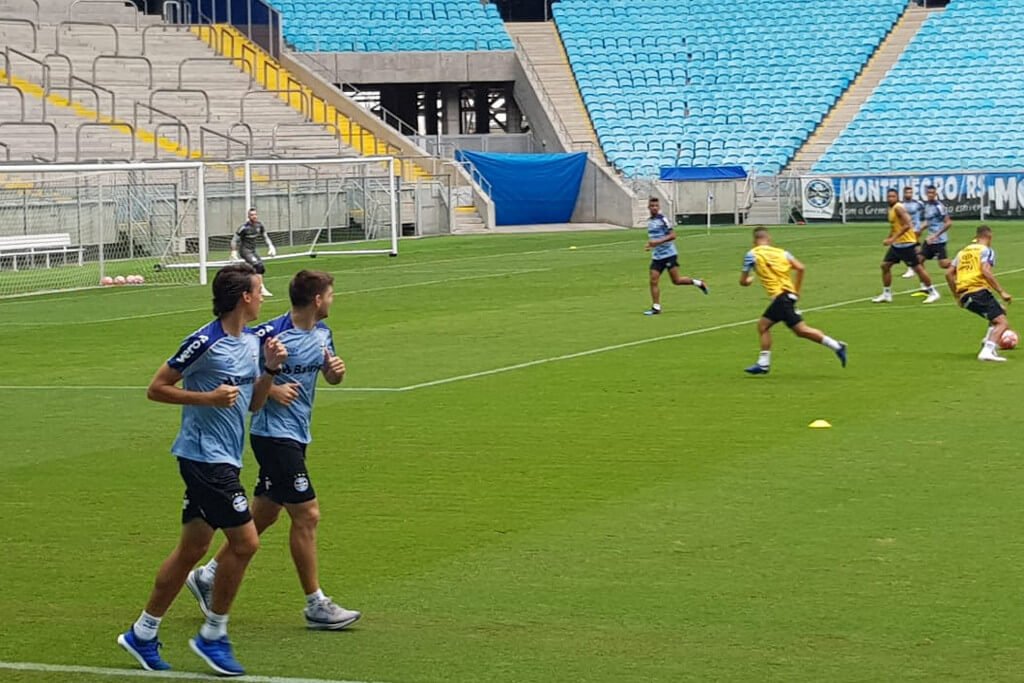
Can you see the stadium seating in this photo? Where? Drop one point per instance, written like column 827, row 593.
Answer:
column 393, row 26
column 706, row 82
column 963, row 66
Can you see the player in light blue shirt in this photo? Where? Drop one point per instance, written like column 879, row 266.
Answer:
column 938, row 222
column 279, row 435
column 661, row 242
column 219, row 369
column 916, row 210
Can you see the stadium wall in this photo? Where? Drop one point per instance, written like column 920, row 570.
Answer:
column 409, row 67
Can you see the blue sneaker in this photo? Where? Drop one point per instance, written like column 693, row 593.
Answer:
column 841, row 352
column 652, row 311
column 757, row 370
column 146, row 652
column 217, row 654
column 703, row 286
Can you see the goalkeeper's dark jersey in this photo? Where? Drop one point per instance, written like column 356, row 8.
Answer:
column 249, row 233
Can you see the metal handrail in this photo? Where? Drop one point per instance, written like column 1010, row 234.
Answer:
column 277, row 127
column 163, row 28
column 203, row 131
column 206, row 96
column 277, row 91
column 7, row 150
column 475, row 174
column 231, row 60
column 36, row 4
column 179, row 126
column 179, row 15
column 97, row 89
column 248, row 130
column 71, row 66
column 31, row 25
column 93, row 124
column 117, row 34
column 71, row 90
column 47, row 124
column 135, row 113
column 44, row 68
column 21, row 97
column 137, row 58
column 122, row 3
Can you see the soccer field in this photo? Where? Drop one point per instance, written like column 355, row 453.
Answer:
column 524, row 479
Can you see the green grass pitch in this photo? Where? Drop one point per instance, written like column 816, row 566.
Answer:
column 643, row 513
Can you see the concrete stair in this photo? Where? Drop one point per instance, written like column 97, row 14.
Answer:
column 849, row 104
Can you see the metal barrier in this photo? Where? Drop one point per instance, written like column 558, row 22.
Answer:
column 248, row 131
column 179, row 127
column 305, row 126
column 94, row 88
column 21, row 97
column 206, row 97
column 35, row 32
column 35, row 3
column 122, row 3
column 103, row 24
column 180, row 17
column 7, row 150
column 230, row 60
column 91, row 124
column 278, row 91
column 163, row 28
column 71, row 90
column 204, row 131
column 175, row 121
column 71, row 67
column 46, row 124
column 44, row 69
column 137, row 58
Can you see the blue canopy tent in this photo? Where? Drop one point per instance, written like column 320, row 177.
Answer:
column 530, row 188
column 703, row 174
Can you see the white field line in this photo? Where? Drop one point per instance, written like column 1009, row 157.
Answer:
column 139, row 673
column 113, row 387
column 159, row 314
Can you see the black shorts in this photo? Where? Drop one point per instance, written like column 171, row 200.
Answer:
column 783, row 310
column 663, row 264
column 934, row 251
column 283, row 477
column 907, row 255
column 214, row 494
column 253, row 259
column 983, row 303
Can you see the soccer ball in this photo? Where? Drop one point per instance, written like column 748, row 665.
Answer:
column 139, row 280
column 119, row 280
column 134, row 279
column 106, row 281
column 1009, row 340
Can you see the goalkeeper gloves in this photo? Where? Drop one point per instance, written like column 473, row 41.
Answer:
column 271, row 251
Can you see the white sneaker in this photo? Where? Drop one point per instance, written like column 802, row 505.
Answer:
column 326, row 615
column 265, row 291
column 883, row 298
column 991, row 356
column 932, row 298
column 909, row 274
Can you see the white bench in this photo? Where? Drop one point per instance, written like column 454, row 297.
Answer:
column 16, row 246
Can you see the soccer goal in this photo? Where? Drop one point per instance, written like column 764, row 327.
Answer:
column 310, row 208
column 74, row 226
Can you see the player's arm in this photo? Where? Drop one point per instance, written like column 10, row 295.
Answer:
column 908, row 225
column 271, row 251
column 990, row 278
column 163, row 388
column 951, row 277
column 234, row 245
column 274, row 356
column 799, row 268
column 947, row 223
column 746, row 277
column 670, row 237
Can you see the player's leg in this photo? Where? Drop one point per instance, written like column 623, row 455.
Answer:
column 654, row 275
column 886, row 295
column 764, row 335
column 926, row 281
column 253, row 259
column 909, row 273
column 805, row 331
column 141, row 639
column 678, row 279
column 998, row 324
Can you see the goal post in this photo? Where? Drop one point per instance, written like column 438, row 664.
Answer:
column 70, row 226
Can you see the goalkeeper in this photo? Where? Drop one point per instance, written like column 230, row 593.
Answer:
column 243, row 245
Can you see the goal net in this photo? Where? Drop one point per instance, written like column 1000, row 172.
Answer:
column 74, row 226
column 310, row 207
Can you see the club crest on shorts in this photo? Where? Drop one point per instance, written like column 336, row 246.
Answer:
column 302, row 483
column 240, row 502
column 184, row 503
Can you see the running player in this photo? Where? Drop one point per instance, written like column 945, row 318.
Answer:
column 916, row 211
column 938, row 221
column 901, row 242
column 773, row 266
column 279, row 435
column 972, row 281
column 243, row 245
column 220, row 371
column 661, row 240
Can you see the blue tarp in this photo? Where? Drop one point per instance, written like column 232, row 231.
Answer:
column 530, row 188
column 683, row 173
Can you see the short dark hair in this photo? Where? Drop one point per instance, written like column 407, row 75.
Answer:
column 653, row 199
column 251, row 208
column 306, row 285
column 982, row 230
column 760, row 232
column 931, row 187
column 229, row 284
column 892, row 189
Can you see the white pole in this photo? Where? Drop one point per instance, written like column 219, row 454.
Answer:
column 711, row 198
column 201, row 200
column 247, row 176
column 394, row 206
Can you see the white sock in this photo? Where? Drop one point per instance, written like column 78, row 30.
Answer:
column 764, row 359
column 988, row 332
column 315, row 597
column 886, row 290
column 831, row 343
column 146, row 626
column 990, row 347
column 656, row 307
column 208, row 571
column 698, row 283
column 215, row 627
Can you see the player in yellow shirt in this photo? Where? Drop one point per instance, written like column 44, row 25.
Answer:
column 902, row 243
column 972, row 281
column 774, row 267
